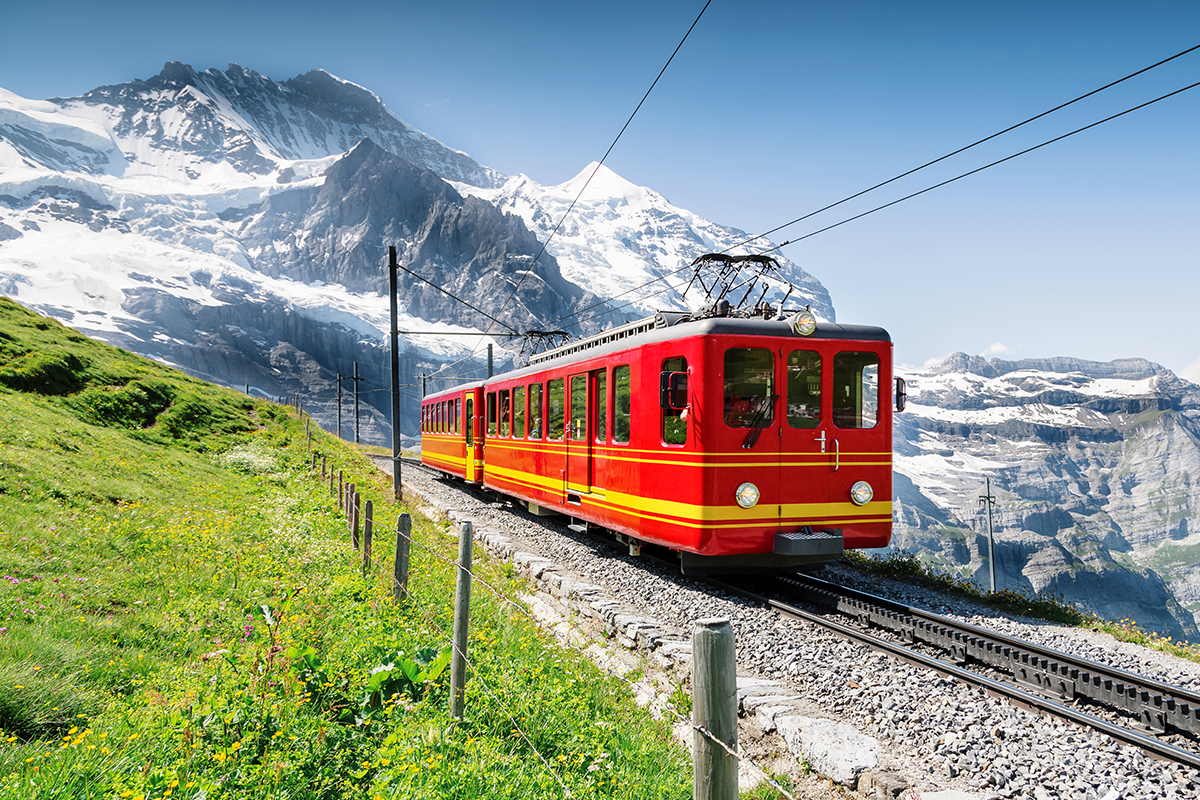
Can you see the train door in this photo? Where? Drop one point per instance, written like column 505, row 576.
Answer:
column 579, row 446
column 469, row 428
column 807, row 440
column 835, row 432
column 753, row 440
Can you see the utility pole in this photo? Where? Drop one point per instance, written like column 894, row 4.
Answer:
column 339, row 404
column 397, row 486
column 489, row 361
column 356, row 380
column 990, row 501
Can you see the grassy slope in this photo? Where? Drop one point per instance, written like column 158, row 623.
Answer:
column 180, row 615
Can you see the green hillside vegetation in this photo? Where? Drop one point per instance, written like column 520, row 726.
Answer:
column 181, row 614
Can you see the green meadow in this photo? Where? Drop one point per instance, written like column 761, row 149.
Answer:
column 182, row 614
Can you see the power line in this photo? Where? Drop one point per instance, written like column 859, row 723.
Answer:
column 967, row 147
column 459, row 299
column 981, row 169
column 873, row 188
column 607, row 152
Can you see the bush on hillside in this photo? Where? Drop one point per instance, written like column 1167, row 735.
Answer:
column 53, row 371
column 136, row 405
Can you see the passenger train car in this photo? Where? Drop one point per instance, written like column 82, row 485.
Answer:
column 744, row 444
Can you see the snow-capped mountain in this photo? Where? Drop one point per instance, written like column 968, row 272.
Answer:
column 237, row 226
column 1095, row 468
column 628, row 242
column 216, row 127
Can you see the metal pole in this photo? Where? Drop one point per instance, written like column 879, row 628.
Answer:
column 714, row 711
column 356, row 380
column 462, row 615
column 397, row 485
column 989, row 501
column 489, row 361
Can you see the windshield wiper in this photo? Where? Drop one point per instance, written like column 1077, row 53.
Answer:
column 755, row 430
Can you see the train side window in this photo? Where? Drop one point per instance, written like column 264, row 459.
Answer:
column 674, row 420
column 505, row 412
column 458, row 415
column 441, row 417
column 855, row 390
column 535, row 411
column 600, row 416
column 579, row 398
column 556, row 408
column 519, row 412
column 491, row 413
column 622, row 403
column 749, row 387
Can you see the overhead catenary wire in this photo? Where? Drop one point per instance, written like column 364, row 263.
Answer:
column 966, row 147
column 582, row 189
column 856, row 195
column 981, row 169
column 459, row 299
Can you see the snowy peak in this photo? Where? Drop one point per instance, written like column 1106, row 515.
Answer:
column 219, row 127
column 604, row 186
column 628, row 242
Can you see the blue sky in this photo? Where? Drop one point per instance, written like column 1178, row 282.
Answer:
column 1089, row 247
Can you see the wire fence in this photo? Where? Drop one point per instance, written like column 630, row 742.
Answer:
column 350, row 504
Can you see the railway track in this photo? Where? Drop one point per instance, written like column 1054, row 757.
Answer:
column 1035, row 677
column 1161, row 719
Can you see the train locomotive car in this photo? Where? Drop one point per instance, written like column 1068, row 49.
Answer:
column 745, row 444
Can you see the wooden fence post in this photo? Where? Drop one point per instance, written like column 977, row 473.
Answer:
column 462, row 617
column 714, row 710
column 341, row 492
column 400, row 570
column 368, row 524
column 308, row 431
column 354, row 509
column 322, row 467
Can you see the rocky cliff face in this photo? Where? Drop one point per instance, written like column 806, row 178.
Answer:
column 334, row 234
column 1095, row 468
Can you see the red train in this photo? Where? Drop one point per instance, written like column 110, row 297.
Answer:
column 743, row 444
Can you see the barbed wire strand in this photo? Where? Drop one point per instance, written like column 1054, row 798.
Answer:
column 377, row 564
column 521, row 607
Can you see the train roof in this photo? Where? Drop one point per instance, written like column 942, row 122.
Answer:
column 665, row 327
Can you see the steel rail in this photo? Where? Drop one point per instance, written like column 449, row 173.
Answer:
column 1150, row 744
column 1094, row 667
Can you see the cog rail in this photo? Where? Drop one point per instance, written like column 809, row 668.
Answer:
column 1159, row 706
column 967, row 642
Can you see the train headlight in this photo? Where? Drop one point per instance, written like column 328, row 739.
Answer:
column 804, row 323
column 747, row 495
column 861, row 493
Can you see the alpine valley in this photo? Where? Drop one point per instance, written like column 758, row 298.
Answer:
column 237, row 227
